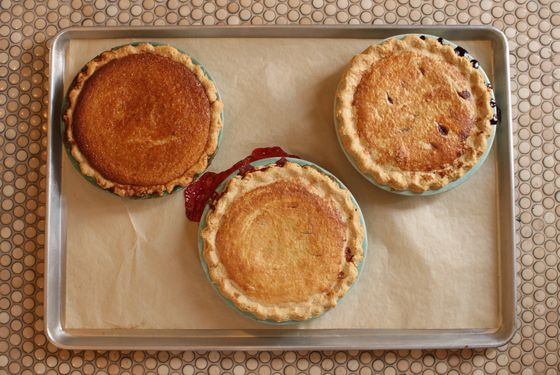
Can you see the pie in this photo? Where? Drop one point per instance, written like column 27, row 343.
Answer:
column 283, row 242
column 142, row 120
column 413, row 114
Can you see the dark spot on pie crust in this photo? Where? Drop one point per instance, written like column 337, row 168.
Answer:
column 442, row 129
column 440, row 40
column 404, row 129
column 341, row 275
column 475, row 64
column 348, row 254
column 492, row 103
column 434, row 145
column 465, row 94
column 489, row 85
column 422, row 71
column 97, row 58
column 389, row 99
column 423, row 37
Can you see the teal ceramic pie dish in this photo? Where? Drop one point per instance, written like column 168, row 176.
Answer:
column 220, row 189
column 453, row 184
column 91, row 179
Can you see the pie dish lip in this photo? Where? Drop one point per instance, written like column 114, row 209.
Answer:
column 451, row 185
column 221, row 187
column 91, row 179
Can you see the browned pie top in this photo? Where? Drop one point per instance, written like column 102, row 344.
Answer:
column 423, row 109
column 413, row 114
column 283, row 242
column 280, row 243
column 142, row 119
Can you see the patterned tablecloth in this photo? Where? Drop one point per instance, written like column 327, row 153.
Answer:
column 26, row 28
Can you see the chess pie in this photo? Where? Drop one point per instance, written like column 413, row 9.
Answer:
column 283, row 242
column 142, row 120
column 413, row 113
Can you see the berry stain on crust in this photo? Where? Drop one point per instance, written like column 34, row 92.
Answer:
column 348, row 254
column 203, row 189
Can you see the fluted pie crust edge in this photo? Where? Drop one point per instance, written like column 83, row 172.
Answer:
column 393, row 176
column 129, row 190
column 351, row 254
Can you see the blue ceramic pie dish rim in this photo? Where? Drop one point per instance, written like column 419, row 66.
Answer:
column 92, row 180
column 452, row 184
column 222, row 186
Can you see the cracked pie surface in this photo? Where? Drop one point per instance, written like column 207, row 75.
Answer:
column 413, row 114
column 283, row 242
column 142, row 120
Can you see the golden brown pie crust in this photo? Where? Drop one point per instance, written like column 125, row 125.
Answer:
column 284, row 242
column 413, row 114
column 142, row 120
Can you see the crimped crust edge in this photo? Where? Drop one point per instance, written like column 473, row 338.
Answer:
column 129, row 190
column 396, row 178
column 319, row 303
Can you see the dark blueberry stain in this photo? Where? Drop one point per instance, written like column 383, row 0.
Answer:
column 489, row 85
column 492, row 103
column 442, row 129
column 440, row 40
column 423, row 37
column 475, row 64
column 464, row 94
column 460, row 51
column 389, row 99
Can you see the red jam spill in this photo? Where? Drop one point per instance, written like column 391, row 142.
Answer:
column 203, row 189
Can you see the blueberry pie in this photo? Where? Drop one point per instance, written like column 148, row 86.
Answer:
column 142, row 120
column 413, row 113
column 283, row 242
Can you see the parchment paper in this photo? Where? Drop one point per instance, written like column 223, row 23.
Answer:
column 432, row 262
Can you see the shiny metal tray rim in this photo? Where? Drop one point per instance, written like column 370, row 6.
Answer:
column 262, row 339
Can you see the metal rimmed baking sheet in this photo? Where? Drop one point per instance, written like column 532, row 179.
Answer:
column 263, row 337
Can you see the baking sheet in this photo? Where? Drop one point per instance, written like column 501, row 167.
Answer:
column 433, row 262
